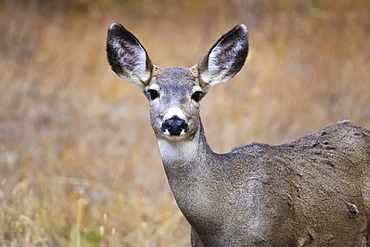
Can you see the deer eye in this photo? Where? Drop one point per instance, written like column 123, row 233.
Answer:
column 197, row 96
column 152, row 94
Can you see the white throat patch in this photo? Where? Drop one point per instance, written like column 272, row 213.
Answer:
column 178, row 151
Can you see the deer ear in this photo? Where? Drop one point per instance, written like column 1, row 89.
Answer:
column 127, row 56
column 225, row 58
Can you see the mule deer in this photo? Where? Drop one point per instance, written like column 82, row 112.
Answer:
column 314, row 191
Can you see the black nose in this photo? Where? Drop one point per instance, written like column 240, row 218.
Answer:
column 175, row 126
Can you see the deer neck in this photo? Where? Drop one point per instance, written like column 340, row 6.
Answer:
column 188, row 166
column 181, row 154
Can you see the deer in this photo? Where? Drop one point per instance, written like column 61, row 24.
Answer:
column 314, row 191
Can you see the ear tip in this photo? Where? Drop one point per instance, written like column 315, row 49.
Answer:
column 116, row 29
column 114, row 25
column 242, row 29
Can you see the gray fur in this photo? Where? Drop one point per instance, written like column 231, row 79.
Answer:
column 314, row 191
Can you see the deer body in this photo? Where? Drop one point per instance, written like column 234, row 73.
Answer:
column 314, row 191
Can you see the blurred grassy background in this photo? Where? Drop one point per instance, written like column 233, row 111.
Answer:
column 79, row 162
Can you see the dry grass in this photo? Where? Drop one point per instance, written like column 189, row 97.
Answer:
column 79, row 162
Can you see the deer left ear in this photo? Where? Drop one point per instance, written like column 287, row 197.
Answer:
column 226, row 57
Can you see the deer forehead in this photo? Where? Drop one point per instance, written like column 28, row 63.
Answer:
column 174, row 81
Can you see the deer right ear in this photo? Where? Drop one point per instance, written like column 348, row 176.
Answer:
column 127, row 56
column 225, row 58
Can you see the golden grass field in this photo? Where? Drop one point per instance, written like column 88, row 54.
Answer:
column 79, row 161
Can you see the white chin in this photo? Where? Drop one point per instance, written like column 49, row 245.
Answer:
column 167, row 136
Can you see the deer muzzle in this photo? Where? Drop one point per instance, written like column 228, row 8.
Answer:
column 175, row 126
